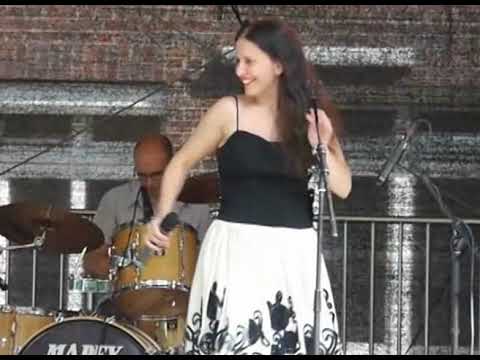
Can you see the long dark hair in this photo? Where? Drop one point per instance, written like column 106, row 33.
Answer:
column 297, row 89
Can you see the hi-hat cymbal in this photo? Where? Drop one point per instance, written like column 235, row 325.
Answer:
column 65, row 232
column 201, row 189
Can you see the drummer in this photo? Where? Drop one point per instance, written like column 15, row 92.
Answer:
column 133, row 201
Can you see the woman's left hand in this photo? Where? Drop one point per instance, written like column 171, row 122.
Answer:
column 324, row 128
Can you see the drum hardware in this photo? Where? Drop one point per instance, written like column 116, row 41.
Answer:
column 121, row 261
column 89, row 285
column 181, row 245
column 112, row 270
column 62, row 315
column 78, row 265
column 38, row 242
column 168, row 332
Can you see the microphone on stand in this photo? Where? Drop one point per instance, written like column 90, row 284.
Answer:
column 321, row 152
column 3, row 285
column 396, row 155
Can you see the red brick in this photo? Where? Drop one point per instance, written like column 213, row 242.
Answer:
column 11, row 10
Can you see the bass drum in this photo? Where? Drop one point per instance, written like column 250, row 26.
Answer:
column 90, row 336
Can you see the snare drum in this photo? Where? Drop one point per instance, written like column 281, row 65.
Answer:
column 90, row 336
column 18, row 324
column 149, row 284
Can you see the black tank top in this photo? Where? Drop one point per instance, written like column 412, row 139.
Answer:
column 256, row 187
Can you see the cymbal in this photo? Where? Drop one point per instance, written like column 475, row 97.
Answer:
column 65, row 232
column 201, row 189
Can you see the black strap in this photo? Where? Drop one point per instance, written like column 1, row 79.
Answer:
column 147, row 205
column 236, row 104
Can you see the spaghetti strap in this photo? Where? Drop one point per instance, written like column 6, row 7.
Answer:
column 236, row 104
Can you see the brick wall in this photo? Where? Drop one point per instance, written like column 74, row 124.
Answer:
column 164, row 43
column 159, row 42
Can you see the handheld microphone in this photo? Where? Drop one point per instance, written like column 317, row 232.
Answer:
column 169, row 222
column 396, row 155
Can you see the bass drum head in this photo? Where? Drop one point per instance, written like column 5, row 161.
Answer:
column 89, row 336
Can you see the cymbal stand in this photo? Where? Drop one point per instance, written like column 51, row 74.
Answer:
column 38, row 242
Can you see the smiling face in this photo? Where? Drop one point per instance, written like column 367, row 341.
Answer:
column 257, row 71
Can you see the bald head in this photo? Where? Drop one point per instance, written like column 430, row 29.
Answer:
column 154, row 143
column 152, row 154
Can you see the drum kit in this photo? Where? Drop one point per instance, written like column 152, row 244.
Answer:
column 148, row 292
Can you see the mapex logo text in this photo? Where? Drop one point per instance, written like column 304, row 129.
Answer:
column 83, row 349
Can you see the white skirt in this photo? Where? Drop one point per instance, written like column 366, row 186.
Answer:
column 253, row 293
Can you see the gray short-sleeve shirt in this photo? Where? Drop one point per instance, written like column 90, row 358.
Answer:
column 117, row 208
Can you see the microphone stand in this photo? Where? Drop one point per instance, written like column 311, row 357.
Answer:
column 318, row 183
column 459, row 242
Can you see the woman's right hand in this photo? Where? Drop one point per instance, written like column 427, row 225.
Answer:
column 325, row 128
column 156, row 240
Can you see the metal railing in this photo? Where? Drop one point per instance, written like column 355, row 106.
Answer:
column 374, row 222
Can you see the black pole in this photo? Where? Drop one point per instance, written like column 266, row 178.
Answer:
column 458, row 244
column 320, row 187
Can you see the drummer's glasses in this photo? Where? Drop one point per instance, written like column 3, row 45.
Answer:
column 154, row 176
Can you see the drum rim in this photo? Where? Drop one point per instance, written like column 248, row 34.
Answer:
column 119, row 228
column 123, row 226
column 87, row 279
column 26, row 310
column 150, row 346
column 153, row 284
column 146, row 317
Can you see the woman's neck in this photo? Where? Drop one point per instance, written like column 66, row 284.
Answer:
column 268, row 102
